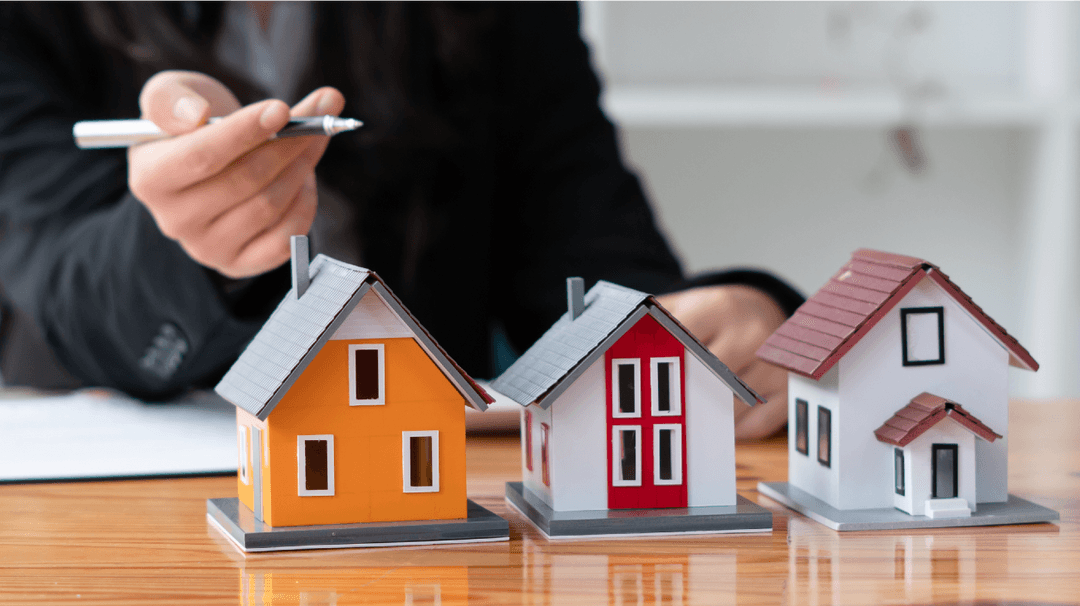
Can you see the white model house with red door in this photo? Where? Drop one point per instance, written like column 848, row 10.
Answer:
column 625, row 410
column 898, row 406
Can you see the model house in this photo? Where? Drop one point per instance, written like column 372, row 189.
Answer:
column 897, row 401
column 625, row 411
column 348, row 413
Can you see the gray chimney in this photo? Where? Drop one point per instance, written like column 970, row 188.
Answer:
column 575, row 297
column 300, row 254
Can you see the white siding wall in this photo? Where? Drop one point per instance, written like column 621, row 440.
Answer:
column 804, row 471
column 919, row 453
column 371, row 319
column 874, row 385
column 710, row 437
column 579, row 444
column 533, row 480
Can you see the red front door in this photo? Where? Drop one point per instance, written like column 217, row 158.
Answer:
column 646, row 419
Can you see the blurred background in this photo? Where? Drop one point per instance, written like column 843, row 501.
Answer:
column 786, row 135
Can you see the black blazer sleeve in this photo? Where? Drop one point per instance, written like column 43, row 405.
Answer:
column 571, row 206
column 120, row 305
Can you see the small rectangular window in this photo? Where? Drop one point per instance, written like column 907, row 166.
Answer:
column 666, row 387
column 922, row 335
column 802, row 426
column 528, row 440
column 367, row 375
column 420, row 461
column 315, row 465
column 824, row 428
column 626, row 455
column 545, row 467
column 243, row 445
column 667, row 454
column 625, row 388
column 898, row 470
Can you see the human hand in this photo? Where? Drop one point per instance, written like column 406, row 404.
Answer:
column 230, row 198
column 733, row 321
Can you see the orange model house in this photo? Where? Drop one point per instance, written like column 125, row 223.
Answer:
column 350, row 423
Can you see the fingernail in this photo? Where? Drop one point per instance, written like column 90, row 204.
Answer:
column 274, row 116
column 188, row 109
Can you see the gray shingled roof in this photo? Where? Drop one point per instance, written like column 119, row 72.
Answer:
column 547, row 368
column 298, row 329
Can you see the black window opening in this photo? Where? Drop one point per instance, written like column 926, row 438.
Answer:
column 824, row 428
column 898, row 470
column 802, row 426
column 665, row 463
column 627, row 389
column 421, row 462
column 366, row 365
column 944, row 470
column 316, row 464
column 922, row 335
column 663, row 386
column 628, row 456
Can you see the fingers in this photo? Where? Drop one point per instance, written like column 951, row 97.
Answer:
column 170, row 165
column 226, row 241
column 762, row 420
column 321, row 102
column 179, row 101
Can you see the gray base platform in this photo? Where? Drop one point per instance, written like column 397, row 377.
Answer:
column 744, row 516
column 239, row 524
column 1013, row 511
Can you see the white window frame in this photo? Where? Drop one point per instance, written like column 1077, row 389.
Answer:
column 616, row 442
column 615, row 402
column 676, row 454
column 674, row 384
column 352, row 374
column 406, row 461
column 243, row 436
column 301, row 466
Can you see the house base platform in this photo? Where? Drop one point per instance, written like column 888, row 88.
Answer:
column 238, row 523
column 744, row 516
column 1013, row 511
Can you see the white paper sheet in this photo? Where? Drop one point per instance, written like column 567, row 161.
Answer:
column 98, row 434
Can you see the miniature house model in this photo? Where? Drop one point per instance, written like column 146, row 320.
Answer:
column 351, row 418
column 897, row 402
column 625, row 413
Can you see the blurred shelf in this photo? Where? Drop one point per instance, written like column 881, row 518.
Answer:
column 722, row 107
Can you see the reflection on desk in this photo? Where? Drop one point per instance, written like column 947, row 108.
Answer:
column 147, row 541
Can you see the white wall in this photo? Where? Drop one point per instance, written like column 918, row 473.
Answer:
column 918, row 456
column 874, row 385
column 804, row 470
column 579, row 447
column 710, row 437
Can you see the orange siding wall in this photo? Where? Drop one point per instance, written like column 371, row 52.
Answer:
column 367, row 440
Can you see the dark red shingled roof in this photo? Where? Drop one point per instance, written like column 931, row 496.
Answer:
column 832, row 321
column 924, row 411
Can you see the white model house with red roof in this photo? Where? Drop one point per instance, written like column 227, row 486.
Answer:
column 627, row 423
column 897, row 401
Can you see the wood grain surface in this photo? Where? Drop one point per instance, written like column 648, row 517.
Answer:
column 148, row 542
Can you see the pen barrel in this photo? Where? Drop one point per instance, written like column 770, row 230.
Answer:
column 98, row 134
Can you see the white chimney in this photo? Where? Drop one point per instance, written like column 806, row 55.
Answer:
column 575, row 296
column 300, row 254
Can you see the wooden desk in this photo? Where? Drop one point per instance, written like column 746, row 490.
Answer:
column 148, row 542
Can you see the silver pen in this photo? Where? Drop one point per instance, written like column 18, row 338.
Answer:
column 98, row 134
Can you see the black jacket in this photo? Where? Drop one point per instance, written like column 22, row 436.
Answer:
column 474, row 229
